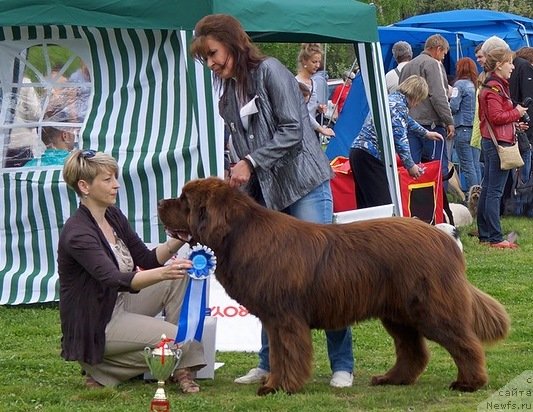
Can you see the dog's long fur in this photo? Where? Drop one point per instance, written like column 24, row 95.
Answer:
column 296, row 276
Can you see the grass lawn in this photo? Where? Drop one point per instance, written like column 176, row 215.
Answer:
column 34, row 378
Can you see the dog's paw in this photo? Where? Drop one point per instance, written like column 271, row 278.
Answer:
column 387, row 379
column 266, row 390
column 380, row 380
column 466, row 387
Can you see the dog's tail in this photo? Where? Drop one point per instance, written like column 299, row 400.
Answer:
column 491, row 321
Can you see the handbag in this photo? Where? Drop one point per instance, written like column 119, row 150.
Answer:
column 510, row 157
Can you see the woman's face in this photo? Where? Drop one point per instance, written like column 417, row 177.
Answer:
column 219, row 59
column 504, row 69
column 313, row 63
column 103, row 189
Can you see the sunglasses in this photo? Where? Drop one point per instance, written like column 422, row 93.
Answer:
column 88, row 154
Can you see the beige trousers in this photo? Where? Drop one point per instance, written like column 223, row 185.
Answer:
column 134, row 326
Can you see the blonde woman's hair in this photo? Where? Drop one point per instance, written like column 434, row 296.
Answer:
column 496, row 56
column 86, row 165
column 308, row 50
column 415, row 88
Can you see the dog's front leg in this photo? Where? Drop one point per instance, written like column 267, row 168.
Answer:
column 291, row 354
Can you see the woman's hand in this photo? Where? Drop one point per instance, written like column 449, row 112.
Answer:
column 523, row 126
column 416, row 171
column 521, row 109
column 175, row 269
column 434, row 135
column 240, row 174
column 326, row 131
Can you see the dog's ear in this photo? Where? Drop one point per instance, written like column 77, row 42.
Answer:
column 209, row 218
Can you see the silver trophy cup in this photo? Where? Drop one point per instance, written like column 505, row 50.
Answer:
column 162, row 361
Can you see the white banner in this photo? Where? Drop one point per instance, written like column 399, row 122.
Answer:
column 237, row 330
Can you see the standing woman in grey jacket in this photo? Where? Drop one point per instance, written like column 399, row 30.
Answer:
column 281, row 162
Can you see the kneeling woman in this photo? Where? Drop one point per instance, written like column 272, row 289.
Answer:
column 366, row 160
column 107, row 304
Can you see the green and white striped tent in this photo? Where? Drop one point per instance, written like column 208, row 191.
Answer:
column 152, row 107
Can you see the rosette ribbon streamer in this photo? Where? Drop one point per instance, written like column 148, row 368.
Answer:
column 191, row 322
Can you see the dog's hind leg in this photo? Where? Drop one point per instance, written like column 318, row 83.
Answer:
column 466, row 350
column 291, row 352
column 411, row 355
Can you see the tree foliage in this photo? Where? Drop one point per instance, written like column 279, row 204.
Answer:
column 391, row 11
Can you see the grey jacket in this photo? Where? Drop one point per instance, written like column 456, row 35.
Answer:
column 290, row 162
column 434, row 109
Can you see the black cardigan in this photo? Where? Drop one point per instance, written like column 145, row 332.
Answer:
column 89, row 280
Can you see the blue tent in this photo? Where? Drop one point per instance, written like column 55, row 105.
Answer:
column 516, row 30
column 463, row 29
column 462, row 43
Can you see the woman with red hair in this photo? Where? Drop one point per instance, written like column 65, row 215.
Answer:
column 463, row 105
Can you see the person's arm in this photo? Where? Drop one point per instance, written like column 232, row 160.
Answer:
column 433, row 73
column 175, row 269
column 497, row 114
column 286, row 102
column 399, row 119
column 168, row 249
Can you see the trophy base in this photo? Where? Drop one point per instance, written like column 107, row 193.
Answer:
column 160, row 405
column 160, row 401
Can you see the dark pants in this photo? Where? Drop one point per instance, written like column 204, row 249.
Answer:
column 488, row 209
column 370, row 175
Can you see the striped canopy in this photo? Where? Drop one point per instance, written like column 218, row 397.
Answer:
column 151, row 108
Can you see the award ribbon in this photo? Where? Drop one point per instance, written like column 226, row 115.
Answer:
column 192, row 316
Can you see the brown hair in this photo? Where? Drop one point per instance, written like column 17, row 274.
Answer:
column 525, row 53
column 466, row 69
column 305, row 90
column 227, row 30
column 436, row 40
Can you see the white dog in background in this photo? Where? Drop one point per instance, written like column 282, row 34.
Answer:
column 452, row 231
column 461, row 215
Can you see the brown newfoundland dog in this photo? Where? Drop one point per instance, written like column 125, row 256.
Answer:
column 296, row 276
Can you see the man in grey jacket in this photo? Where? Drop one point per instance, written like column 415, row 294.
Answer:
column 433, row 113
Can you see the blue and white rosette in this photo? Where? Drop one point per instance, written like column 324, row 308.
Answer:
column 191, row 322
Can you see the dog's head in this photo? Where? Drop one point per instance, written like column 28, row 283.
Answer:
column 473, row 198
column 202, row 212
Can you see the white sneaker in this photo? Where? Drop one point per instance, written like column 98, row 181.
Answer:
column 255, row 375
column 341, row 379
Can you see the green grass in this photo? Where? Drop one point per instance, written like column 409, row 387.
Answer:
column 34, row 378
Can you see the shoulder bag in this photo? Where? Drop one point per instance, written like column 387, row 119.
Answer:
column 510, row 157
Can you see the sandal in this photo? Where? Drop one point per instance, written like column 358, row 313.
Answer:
column 91, row 383
column 504, row 244
column 183, row 377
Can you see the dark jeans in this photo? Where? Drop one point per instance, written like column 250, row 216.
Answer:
column 488, row 209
